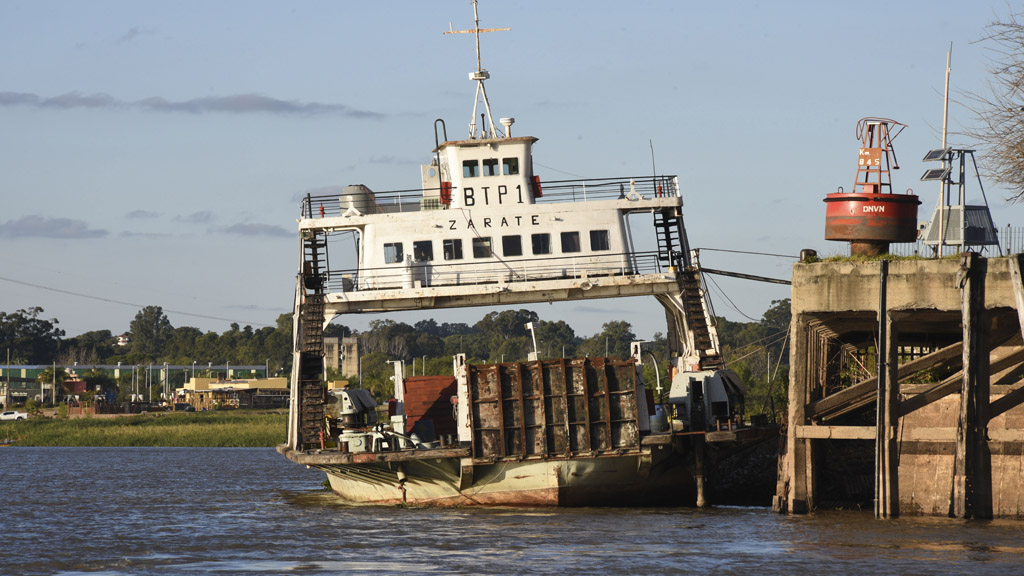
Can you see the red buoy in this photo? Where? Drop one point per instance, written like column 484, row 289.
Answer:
column 871, row 217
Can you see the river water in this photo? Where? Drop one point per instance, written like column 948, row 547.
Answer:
column 205, row 511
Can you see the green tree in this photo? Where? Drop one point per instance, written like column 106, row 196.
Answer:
column 48, row 377
column 613, row 341
column 150, row 332
column 98, row 380
column 377, row 375
column 396, row 340
column 555, row 339
column 278, row 346
column 182, row 346
column 502, row 336
column 30, row 338
column 332, row 331
column 93, row 347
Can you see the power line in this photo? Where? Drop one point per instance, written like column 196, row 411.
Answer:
column 132, row 304
column 729, row 300
column 746, row 252
column 557, row 170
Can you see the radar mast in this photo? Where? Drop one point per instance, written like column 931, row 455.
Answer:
column 479, row 75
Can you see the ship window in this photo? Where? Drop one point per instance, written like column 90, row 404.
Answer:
column 470, row 168
column 490, row 166
column 541, row 243
column 453, row 249
column 423, row 251
column 510, row 166
column 482, row 247
column 512, row 245
column 570, row 241
column 393, row 253
column 599, row 240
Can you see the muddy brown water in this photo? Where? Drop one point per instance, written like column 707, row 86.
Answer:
column 208, row 511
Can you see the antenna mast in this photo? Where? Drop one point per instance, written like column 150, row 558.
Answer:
column 479, row 75
column 943, row 188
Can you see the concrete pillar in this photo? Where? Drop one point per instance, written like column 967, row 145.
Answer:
column 971, row 494
column 797, row 469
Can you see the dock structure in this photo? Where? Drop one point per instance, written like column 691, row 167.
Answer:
column 918, row 363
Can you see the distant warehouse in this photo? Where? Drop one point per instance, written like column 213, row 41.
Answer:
column 212, row 393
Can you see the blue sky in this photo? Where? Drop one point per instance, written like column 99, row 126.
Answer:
column 154, row 153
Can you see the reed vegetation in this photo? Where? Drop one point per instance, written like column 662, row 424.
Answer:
column 234, row 428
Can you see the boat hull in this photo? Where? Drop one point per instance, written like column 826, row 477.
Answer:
column 655, row 475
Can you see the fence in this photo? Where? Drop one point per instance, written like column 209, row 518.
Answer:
column 1011, row 241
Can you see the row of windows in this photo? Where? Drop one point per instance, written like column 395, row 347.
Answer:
column 511, row 246
column 471, row 168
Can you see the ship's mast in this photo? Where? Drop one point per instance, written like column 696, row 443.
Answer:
column 479, row 75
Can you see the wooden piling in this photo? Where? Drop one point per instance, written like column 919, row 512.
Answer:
column 971, row 490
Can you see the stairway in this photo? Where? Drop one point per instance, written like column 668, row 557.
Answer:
column 692, row 295
column 310, row 347
column 672, row 244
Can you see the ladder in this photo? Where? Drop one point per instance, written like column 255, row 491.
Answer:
column 310, row 347
column 698, row 318
column 673, row 248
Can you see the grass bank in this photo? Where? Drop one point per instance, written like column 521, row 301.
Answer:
column 228, row 428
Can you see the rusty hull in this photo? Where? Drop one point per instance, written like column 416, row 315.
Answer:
column 658, row 473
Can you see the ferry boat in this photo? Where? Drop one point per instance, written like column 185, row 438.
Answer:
column 482, row 229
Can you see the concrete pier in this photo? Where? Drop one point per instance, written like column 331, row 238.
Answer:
column 939, row 343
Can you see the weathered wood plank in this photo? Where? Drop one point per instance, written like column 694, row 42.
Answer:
column 863, row 392
column 805, row 432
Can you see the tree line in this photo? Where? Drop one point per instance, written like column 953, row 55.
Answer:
column 755, row 350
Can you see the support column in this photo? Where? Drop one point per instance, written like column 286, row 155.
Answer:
column 972, row 484
column 887, row 495
column 887, row 429
column 699, row 451
column 797, row 469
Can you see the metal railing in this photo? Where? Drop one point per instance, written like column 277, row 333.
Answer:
column 1011, row 241
column 493, row 271
column 581, row 190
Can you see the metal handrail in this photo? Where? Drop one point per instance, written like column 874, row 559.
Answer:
column 578, row 190
column 493, row 271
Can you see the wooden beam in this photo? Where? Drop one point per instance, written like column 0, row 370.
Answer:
column 1008, row 401
column 863, row 392
column 834, row 432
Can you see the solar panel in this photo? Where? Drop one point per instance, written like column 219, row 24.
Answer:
column 939, row 154
column 935, row 174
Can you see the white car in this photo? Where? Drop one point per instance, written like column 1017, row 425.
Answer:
column 13, row 415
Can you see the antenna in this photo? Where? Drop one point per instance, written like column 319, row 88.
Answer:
column 943, row 194
column 480, row 74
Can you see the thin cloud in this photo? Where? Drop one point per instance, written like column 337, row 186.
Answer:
column 18, row 99
column 255, row 229
column 235, row 104
column 142, row 215
column 390, row 160
column 201, row 217
column 34, row 226
column 133, row 33
column 146, row 235
column 76, row 100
